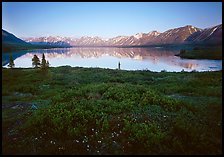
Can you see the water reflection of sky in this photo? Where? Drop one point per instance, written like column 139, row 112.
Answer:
column 130, row 58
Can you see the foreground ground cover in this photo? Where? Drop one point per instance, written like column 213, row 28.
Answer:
column 102, row 111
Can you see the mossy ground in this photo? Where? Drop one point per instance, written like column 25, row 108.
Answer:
column 102, row 111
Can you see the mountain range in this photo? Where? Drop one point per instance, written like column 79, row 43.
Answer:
column 182, row 35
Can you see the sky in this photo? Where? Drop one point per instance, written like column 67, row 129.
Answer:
column 105, row 19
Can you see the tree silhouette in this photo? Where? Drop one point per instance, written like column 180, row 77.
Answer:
column 43, row 62
column 35, row 61
column 11, row 62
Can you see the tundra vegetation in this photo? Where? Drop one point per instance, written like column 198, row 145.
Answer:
column 104, row 111
column 202, row 53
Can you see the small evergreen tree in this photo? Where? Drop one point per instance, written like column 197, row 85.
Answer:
column 11, row 62
column 35, row 61
column 43, row 62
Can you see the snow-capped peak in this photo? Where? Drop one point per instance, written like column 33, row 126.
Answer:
column 105, row 39
column 138, row 35
column 154, row 33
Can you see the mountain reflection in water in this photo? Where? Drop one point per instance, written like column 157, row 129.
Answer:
column 153, row 59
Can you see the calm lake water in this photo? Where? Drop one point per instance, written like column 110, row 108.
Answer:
column 153, row 59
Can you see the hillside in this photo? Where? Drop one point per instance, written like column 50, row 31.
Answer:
column 10, row 42
column 211, row 35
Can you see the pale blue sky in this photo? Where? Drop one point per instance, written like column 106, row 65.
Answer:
column 108, row 19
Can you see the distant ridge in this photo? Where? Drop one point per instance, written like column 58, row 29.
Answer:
column 182, row 35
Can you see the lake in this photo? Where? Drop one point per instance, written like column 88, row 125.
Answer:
column 153, row 59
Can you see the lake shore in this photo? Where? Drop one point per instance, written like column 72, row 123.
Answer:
column 103, row 111
column 213, row 53
column 154, row 59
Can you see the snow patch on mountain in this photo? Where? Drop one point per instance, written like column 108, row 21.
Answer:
column 138, row 35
